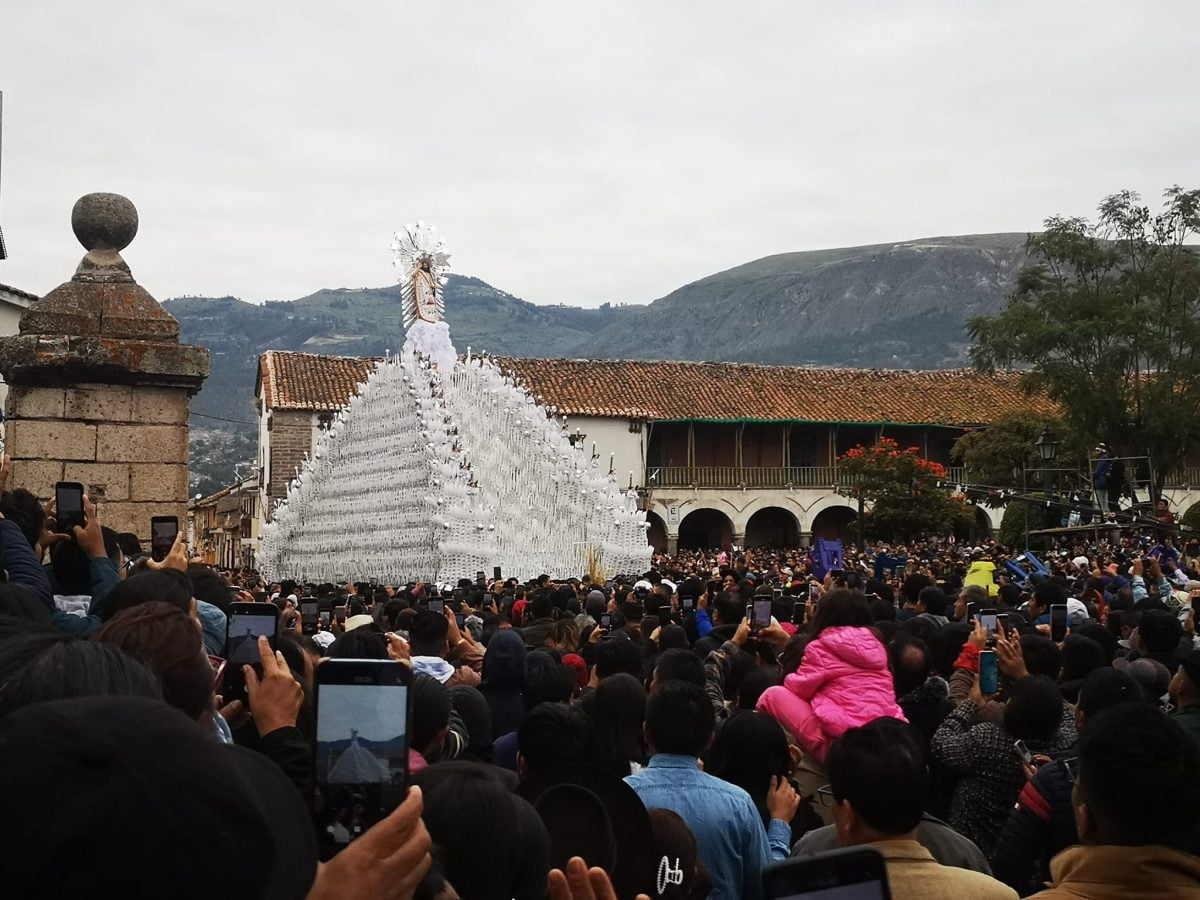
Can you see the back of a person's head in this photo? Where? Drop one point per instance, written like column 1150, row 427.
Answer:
column 71, row 566
column 731, row 607
column 945, row 645
column 679, row 665
column 913, row 585
column 546, row 680
column 841, row 607
column 749, row 750
column 1034, row 709
column 1160, row 631
column 1080, row 655
column 618, row 710
column 430, row 711
column 1050, row 593
column 618, row 654
column 880, row 770
column 934, row 599
column 427, row 632
column 1107, row 687
column 25, row 511
column 974, row 594
column 490, row 842
column 168, row 586
column 358, row 643
column 1042, row 656
column 679, row 719
column 38, row 665
column 673, row 637
column 754, row 683
column 209, row 586
column 553, row 734
column 1137, row 777
column 168, row 641
column 541, row 606
column 910, row 664
column 1102, row 636
column 137, row 773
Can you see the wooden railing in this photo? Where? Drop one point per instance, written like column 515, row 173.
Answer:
column 826, row 477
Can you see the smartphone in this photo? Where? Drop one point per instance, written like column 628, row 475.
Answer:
column 814, row 591
column 495, row 573
column 364, row 713
column 437, row 606
column 479, row 579
column 687, row 604
column 850, row 873
column 68, row 506
column 246, row 622
column 310, row 609
column 761, row 617
column 988, row 618
column 460, row 619
column 798, row 613
column 163, row 530
column 606, row 622
column 1022, row 751
column 325, row 618
column 989, row 672
column 1058, row 622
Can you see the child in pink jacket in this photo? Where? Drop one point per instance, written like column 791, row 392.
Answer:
column 843, row 682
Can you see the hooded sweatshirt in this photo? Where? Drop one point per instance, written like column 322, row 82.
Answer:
column 982, row 572
column 843, row 682
column 504, row 680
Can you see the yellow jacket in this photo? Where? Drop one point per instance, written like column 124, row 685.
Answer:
column 1120, row 873
column 981, row 573
column 913, row 874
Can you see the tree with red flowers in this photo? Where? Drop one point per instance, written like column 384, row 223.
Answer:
column 903, row 490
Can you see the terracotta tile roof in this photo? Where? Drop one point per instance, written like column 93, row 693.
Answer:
column 690, row 390
column 309, row 381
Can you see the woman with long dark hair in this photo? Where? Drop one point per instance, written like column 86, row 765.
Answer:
column 618, row 710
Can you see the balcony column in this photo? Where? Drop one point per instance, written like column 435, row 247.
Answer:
column 739, row 539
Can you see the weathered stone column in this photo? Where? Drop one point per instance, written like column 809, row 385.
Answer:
column 99, row 384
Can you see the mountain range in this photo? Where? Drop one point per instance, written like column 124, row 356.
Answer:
column 901, row 305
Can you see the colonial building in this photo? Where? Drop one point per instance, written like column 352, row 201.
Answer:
column 719, row 452
column 223, row 528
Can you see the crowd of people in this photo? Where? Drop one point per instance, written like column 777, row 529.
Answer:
column 670, row 733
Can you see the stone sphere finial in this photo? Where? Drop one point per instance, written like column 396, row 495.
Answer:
column 104, row 221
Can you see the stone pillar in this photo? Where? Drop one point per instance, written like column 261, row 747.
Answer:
column 99, row 385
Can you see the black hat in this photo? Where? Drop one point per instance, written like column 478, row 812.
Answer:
column 592, row 813
column 128, row 797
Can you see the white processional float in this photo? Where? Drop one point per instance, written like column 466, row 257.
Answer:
column 441, row 467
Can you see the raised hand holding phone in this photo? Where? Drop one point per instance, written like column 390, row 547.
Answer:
column 275, row 699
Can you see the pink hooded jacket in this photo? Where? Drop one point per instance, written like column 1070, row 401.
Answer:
column 843, row 682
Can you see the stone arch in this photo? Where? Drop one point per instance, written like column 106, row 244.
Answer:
column 772, row 526
column 987, row 521
column 705, row 529
column 656, row 534
column 834, row 522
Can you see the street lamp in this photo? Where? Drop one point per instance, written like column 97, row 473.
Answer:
column 1047, row 445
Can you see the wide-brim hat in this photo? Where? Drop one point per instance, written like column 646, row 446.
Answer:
column 591, row 813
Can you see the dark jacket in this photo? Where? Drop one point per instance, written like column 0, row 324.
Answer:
column 1189, row 718
column 713, row 641
column 536, row 632
column 1040, row 826
column 990, row 775
column 926, row 706
column 22, row 565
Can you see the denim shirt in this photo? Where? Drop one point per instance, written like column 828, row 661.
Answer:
column 732, row 842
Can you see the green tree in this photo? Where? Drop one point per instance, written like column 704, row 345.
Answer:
column 904, row 489
column 994, row 456
column 1106, row 321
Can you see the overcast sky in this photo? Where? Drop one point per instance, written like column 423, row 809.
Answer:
column 571, row 152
